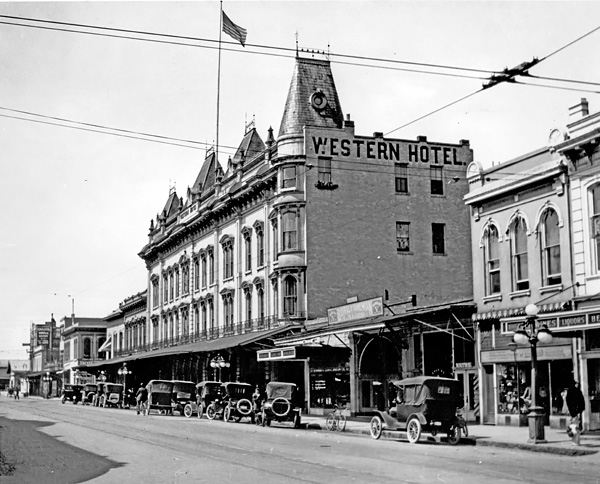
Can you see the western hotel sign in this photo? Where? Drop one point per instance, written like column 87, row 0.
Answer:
column 344, row 146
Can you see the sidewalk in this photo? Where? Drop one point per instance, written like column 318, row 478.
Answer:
column 558, row 442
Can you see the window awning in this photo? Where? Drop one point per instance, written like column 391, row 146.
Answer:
column 106, row 346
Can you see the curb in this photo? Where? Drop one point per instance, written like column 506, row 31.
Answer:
column 481, row 441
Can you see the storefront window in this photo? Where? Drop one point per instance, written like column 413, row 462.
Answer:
column 328, row 388
column 514, row 386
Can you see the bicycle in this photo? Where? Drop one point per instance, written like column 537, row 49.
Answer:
column 336, row 420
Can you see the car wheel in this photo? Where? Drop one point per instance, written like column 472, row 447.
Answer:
column 211, row 412
column 187, row 410
column 376, row 427
column 227, row 413
column 281, row 407
column 454, row 435
column 200, row 411
column 64, row 400
column 330, row 422
column 413, row 430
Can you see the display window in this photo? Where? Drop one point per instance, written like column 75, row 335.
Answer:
column 514, row 387
column 328, row 388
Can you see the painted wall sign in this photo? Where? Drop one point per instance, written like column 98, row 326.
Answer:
column 43, row 337
column 340, row 144
column 358, row 310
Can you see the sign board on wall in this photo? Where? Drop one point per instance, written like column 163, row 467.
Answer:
column 43, row 337
column 358, row 310
column 524, row 354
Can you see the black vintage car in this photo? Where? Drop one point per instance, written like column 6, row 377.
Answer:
column 422, row 404
column 89, row 392
column 206, row 393
column 279, row 405
column 184, row 397
column 238, row 401
column 160, row 396
column 73, row 393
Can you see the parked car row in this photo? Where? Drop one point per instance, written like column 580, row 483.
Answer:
column 229, row 401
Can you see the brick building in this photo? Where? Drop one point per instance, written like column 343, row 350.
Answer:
column 261, row 249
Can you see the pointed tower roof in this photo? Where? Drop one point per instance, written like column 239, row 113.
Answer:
column 172, row 205
column 251, row 145
column 312, row 98
column 206, row 177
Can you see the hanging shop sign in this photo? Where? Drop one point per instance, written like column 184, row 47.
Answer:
column 276, row 354
column 43, row 337
column 355, row 311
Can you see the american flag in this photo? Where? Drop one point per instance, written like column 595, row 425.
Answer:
column 233, row 30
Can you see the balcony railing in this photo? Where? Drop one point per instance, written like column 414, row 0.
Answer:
column 250, row 326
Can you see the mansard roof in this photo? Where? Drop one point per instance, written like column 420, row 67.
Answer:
column 249, row 148
column 206, row 177
column 311, row 76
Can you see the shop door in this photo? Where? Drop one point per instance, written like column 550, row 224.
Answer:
column 470, row 383
column 593, row 375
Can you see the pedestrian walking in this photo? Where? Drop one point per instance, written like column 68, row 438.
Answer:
column 576, row 405
column 141, row 398
column 17, row 393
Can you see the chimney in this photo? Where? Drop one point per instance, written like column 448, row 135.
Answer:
column 580, row 110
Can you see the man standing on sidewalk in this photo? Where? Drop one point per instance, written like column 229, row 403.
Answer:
column 576, row 405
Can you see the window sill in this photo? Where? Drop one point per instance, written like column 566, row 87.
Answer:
column 436, row 254
column 406, row 194
column 549, row 289
column 523, row 293
column 228, row 279
column 405, row 252
column 492, row 298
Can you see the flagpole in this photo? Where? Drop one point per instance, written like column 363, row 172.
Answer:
column 219, row 80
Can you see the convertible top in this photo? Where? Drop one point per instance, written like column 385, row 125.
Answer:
column 164, row 386
column 419, row 388
column 277, row 389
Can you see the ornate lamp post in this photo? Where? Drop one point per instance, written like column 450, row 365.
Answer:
column 218, row 362
column 123, row 371
column 528, row 333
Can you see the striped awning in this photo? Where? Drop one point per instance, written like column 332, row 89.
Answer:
column 513, row 312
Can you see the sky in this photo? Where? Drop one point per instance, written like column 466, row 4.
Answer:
column 76, row 204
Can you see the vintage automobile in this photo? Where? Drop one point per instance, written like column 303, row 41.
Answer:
column 112, row 396
column 73, row 393
column 184, row 397
column 279, row 405
column 422, row 404
column 160, row 396
column 238, row 401
column 206, row 392
column 89, row 392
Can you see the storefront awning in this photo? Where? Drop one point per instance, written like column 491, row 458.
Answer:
column 197, row 347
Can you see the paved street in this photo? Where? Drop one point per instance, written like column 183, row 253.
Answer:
column 50, row 442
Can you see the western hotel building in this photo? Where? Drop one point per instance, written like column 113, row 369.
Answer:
column 332, row 260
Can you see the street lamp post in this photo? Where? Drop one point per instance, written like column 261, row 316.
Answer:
column 218, row 362
column 528, row 333
column 123, row 371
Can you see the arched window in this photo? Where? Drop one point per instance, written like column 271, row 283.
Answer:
column 227, row 259
column 290, row 296
column 492, row 261
column 260, row 295
column 87, row 348
column 518, row 247
column 550, row 246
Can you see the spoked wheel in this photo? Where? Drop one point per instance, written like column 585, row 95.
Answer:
column 211, row 412
column 376, row 427
column 413, row 430
column 341, row 423
column 227, row 414
column 465, row 429
column 200, row 410
column 330, row 422
column 454, row 435
column 187, row 410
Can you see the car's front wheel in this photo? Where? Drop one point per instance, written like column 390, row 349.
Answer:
column 454, row 435
column 413, row 430
column 227, row 414
column 211, row 412
column 200, row 410
column 376, row 427
column 187, row 410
